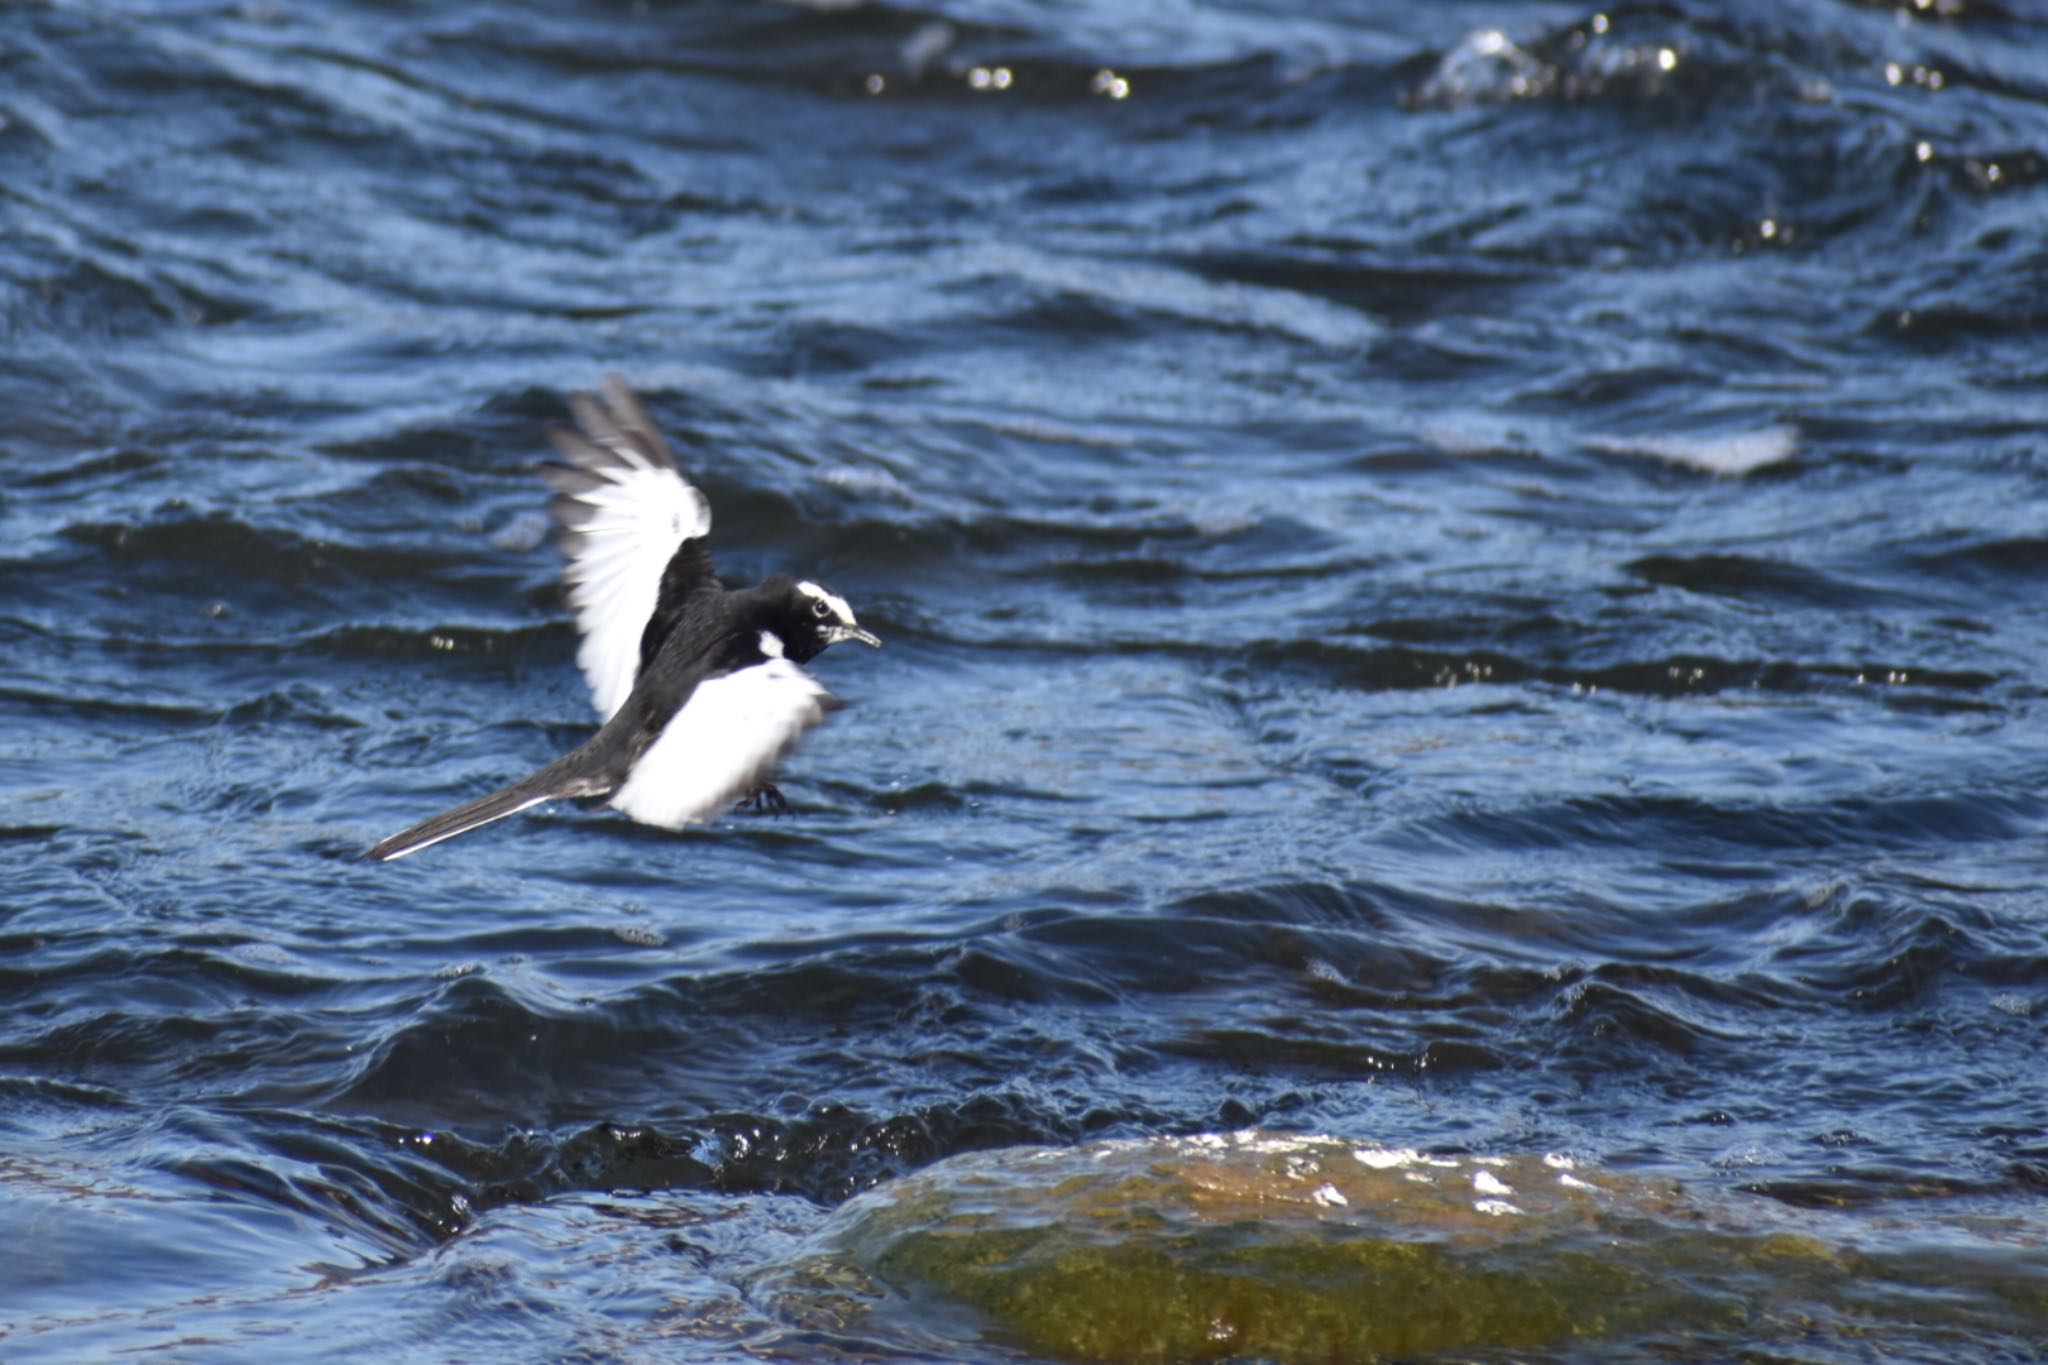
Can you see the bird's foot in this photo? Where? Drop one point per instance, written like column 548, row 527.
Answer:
column 766, row 799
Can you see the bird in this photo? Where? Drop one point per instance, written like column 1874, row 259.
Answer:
column 700, row 687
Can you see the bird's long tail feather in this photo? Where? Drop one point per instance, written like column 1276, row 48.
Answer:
column 565, row 777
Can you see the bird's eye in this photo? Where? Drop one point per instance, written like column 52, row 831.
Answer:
column 820, row 610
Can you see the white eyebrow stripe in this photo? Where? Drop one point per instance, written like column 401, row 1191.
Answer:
column 832, row 600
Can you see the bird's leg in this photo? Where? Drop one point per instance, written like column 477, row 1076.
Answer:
column 766, row 798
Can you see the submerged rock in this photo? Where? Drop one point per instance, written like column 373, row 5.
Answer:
column 1312, row 1249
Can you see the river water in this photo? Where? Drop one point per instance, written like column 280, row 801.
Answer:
column 1469, row 575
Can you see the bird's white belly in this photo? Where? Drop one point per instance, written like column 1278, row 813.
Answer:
column 723, row 743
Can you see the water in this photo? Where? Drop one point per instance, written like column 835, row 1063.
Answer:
column 1479, row 592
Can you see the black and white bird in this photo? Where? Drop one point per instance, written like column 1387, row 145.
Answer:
column 701, row 687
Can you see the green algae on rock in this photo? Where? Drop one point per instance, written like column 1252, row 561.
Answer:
column 1307, row 1249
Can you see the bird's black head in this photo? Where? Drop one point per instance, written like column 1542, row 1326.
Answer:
column 806, row 618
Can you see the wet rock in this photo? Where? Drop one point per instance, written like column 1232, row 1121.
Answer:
column 1304, row 1249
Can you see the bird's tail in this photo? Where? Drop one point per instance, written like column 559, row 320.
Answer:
column 565, row 777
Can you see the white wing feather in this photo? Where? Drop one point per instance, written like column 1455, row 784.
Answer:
column 724, row 743
column 614, row 575
column 627, row 510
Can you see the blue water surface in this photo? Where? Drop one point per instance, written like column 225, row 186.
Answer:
column 1468, row 575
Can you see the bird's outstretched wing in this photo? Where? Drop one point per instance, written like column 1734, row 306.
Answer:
column 723, row 743
column 633, row 533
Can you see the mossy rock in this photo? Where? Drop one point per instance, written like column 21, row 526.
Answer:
column 1308, row 1249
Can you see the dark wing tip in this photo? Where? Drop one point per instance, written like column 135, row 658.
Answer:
column 631, row 416
column 612, row 422
column 581, row 451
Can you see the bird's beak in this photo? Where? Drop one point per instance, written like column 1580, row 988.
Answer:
column 854, row 633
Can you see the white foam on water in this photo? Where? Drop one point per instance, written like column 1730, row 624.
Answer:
column 1731, row 455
